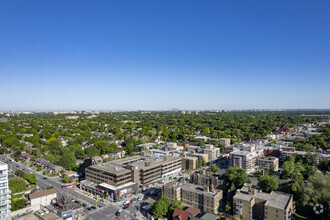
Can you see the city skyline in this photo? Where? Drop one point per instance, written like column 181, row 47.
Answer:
column 189, row 55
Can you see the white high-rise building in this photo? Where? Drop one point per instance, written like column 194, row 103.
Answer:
column 4, row 192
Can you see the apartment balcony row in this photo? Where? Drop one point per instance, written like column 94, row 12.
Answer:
column 5, row 192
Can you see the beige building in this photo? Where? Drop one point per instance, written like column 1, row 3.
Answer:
column 252, row 203
column 189, row 163
column 205, row 157
column 245, row 158
column 120, row 179
column 137, row 169
column 204, row 198
column 265, row 163
column 203, row 178
column 225, row 141
column 212, row 152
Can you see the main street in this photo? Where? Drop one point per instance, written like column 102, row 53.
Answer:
column 44, row 182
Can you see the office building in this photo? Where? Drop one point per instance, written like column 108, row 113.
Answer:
column 119, row 179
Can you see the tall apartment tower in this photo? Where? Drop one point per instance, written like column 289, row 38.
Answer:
column 4, row 192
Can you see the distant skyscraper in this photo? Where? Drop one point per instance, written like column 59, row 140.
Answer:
column 4, row 192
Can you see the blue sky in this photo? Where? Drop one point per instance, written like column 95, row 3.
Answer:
column 116, row 55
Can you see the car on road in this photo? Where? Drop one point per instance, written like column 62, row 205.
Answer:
column 77, row 202
column 118, row 212
column 84, row 205
column 126, row 202
column 89, row 209
column 100, row 206
column 45, row 178
column 93, row 207
column 133, row 200
column 140, row 198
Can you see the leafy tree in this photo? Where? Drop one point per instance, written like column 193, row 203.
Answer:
column 17, row 204
column 268, row 183
column 236, row 177
column 161, row 207
column 214, row 168
column 271, row 170
column 19, row 173
column 92, row 151
column 288, row 169
column 16, row 185
column 201, row 163
column 50, row 157
column 228, row 207
column 66, row 179
column 176, row 204
column 31, row 177
column 68, row 161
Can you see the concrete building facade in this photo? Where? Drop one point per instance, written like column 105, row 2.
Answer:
column 204, row 198
column 4, row 192
column 252, row 203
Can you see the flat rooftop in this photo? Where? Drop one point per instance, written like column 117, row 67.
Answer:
column 121, row 166
column 198, row 189
column 278, row 200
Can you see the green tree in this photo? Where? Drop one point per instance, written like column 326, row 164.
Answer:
column 200, row 163
column 288, row 169
column 68, row 161
column 19, row 173
column 66, row 179
column 16, row 185
column 214, row 168
column 268, row 183
column 31, row 177
column 235, row 177
column 17, row 204
column 161, row 207
column 50, row 157
column 176, row 204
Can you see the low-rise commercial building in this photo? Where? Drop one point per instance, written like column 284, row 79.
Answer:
column 121, row 178
column 252, row 203
column 204, row 198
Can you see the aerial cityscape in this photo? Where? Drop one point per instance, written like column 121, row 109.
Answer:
column 164, row 110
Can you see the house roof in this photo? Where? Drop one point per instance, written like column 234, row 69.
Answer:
column 42, row 193
column 181, row 214
column 193, row 211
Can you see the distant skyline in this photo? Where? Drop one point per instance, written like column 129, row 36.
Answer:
column 158, row 55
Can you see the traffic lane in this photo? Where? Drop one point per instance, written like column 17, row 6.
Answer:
column 44, row 183
column 109, row 212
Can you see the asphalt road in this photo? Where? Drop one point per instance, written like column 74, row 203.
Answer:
column 44, row 182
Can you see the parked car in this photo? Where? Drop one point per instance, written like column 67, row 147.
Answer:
column 93, row 207
column 133, row 200
column 140, row 198
column 126, row 202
